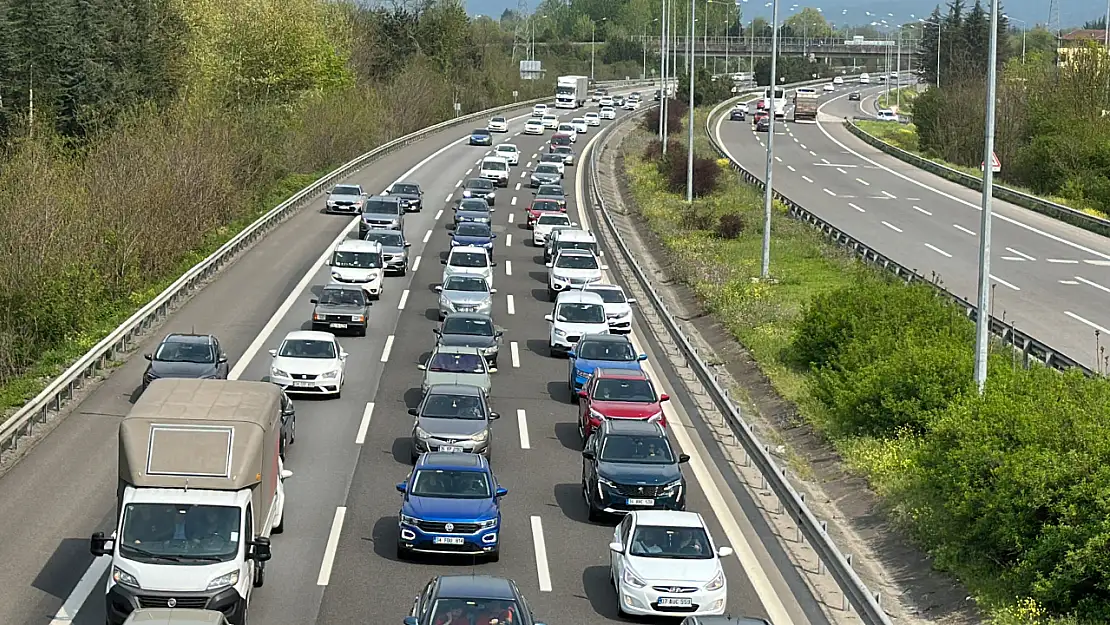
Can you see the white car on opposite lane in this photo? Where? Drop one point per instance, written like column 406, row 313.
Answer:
column 309, row 363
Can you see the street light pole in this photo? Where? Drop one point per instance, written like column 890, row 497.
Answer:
column 690, row 123
column 705, row 37
column 982, row 317
column 768, row 193
column 899, row 77
column 593, row 46
column 663, row 45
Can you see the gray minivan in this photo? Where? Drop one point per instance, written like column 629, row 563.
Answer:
column 383, row 212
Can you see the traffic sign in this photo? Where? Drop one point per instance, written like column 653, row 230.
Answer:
column 996, row 165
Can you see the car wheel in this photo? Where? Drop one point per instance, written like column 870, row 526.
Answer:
column 404, row 270
column 551, row 295
column 361, row 331
column 552, row 351
column 402, row 553
column 494, row 556
column 293, row 431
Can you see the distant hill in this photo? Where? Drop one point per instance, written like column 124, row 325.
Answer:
column 1072, row 12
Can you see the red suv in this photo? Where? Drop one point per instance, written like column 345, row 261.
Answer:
column 539, row 207
column 558, row 139
column 618, row 394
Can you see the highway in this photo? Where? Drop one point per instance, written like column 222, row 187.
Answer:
column 1049, row 278
column 335, row 563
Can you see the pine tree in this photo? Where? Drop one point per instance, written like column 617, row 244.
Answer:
column 930, row 45
column 8, row 55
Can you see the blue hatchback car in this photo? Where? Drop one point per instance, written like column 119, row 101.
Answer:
column 481, row 136
column 612, row 351
column 475, row 234
column 451, row 505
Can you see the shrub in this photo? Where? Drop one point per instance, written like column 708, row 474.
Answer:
column 696, row 217
column 730, row 226
column 654, row 149
column 676, row 117
column 674, row 170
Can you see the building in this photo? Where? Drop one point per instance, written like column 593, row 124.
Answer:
column 1081, row 41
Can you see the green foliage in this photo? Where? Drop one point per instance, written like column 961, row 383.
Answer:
column 706, row 90
column 677, row 115
column 730, row 226
column 791, row 69
column 674, row 168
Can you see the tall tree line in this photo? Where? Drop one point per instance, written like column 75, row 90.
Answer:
column 961, row 38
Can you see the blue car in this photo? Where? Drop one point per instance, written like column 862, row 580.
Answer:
column 451, row 505
column 475, row 234
column 481, row 136
column 612, row 351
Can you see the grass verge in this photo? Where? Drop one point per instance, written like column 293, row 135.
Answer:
column 890, row 100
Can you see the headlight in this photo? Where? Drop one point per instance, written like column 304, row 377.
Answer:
column 480, row 436
column 655, row 418
column 227, row 579
column 630, row 578
column 466, row 193
column 335, row 274
column 673, row 485
column 605, row 482
column 409, row 520
column 717, row 583
column 491, row 195
column 330, row 375
column 421, row 433
column 487, row 524
column 596, row 415
column 560, row 279
column 559, row 332
column 121, row 576
column 358, row 318
column 275, row 372
column 446, row 303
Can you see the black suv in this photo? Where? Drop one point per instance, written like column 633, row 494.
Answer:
column 410, row 194
column 480, row 597
column 629, row 465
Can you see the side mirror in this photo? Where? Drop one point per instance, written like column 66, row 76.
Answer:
column 549, row 318
column 493, row 369
column 402, row 487
column 549, row 265
column 260, row 549
column 493, row 291
column 493, row 236
column 286, row 474
column 664, row 397
column 422, row 367
column 642, row 357
column 605, row 267
column 501, row 492
column 493, row 264
column 583, row 394
column 571, row 354
column 414, row 412
column 724, row 552
column 617, row 547
column 437, row 331
column 631, row 300
column 421, row 193
column 499, row 333
column 314, row 301
column 683, row 458
column 493, row 416
column 410, row 620
column 439, row 288
column 328, row 262
column 343, row 355
column 273, row 352
column 588, row 455
column 151, row 356
column 574, row 223
column 407, row 244
column 101, row 546
column 443, row 261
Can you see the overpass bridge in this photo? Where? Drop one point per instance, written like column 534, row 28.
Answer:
column 791, row 46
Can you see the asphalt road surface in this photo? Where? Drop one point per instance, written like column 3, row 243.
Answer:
column 335, row 563
column 1049, row 278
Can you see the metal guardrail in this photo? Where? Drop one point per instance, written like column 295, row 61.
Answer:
column 1028, row 346
column 96, row 360
column 1063, row 213
column 865, row 603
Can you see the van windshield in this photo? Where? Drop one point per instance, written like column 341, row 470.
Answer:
column 357, row 260
column 494, row 166
column 382, row 208
column 167, row 532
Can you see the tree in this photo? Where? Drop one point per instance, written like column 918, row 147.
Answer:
column 809, row 23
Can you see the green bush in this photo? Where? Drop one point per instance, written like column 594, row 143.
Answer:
column 676, row 117
column 730, row 226
column 674, row 169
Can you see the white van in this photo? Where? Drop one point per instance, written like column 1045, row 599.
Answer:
column 576, row 313
column 865, row 79
column 359, row 262
column 496, row 169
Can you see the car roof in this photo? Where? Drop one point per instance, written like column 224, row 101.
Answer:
column 554, row 214
column 606, row 338
column 575, row 252
column 496, row 159
column 468, row 315
column 668, row 517
column 175, row 337
column 591, row 113
column 604, row 287
column 506, row 145
column 633, row 427
column 446, row 459
column 342, row 286
column 309, row 335
column 551, row 188
column 575, row 296
column 455, row 349
column 470, row 249
column 475, row 587
column 454, row 389
column 621, row 374
column 358, row 245
column 549, row 155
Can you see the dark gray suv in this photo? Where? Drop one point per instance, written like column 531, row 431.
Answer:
column 384, row 212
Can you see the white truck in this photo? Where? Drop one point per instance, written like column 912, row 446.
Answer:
column 779, row 101
column 570, row 91
column 201, row 487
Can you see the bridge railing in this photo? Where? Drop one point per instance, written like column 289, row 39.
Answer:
column 791, row 44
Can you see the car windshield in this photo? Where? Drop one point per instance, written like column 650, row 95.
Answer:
column 466, row 284
column 560, row 140
column 507, row 148
column 479, row 183
column 636, row 449
column 453, row 407
column 387, row 239
column 606, row 350
column 471, row 326
column 168, row 532
column 591, row 115
column 451, row 484
column 547, row 169
column 479, row 611
column 469, row 259
column 407, row 189
column 553, row 220
column 382, row 208
column 307, row 348
column 680, row 543
column 342, row 297
column 624, row 390
column 563, row 149
column 550, row 190
column 566, row 127
column 550, row 118
column 471, row 229
column 457, row 363
column 578, row 120
column 357, row 260
column 576, row 261
column 494, row 166
column 481, row 132
column 345, row 190
column 185, row 351
column 499, row 120
column 551, row 158
column 533, row 121
column 610, row 296
column 477, row 204
column 545, row 205
column 581, row 313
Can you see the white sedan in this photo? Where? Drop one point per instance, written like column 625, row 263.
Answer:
column 592, row 119
column 546, row 223
column 509, row 152
column 580, row 125
column 533, row 126
column 310, row 363
column 608, row 112
column 829, row 87
column 838, row 80
column 550, row 121
column 667, row 550
column 498, row 124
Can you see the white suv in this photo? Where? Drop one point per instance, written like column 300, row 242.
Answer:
column 576, row 314
column 572, row 269
column 496, row 169
column 359, row 262
column 469, row 260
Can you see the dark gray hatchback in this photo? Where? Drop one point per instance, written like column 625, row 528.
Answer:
column 341, row 308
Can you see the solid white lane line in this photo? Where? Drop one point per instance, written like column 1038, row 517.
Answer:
column 961, row 228
column 1003, row 282
column 512, row 202
column 449, row 196
column 331, row 547
column 522, row 425
column 67, row 614
column 889, row 195
column 1094, row 284
column 427, row 235
column 416, row 264
column 807, row 179
column 364, row 426
column 511, row 215
column 1084, row 321
column 404, row 299
column 439, row 214
column 514, row 351
column 1062, row 261
column 388, row 348
column 863, row 182
column 922, row 210
column 508, row 241
column 938, row 250
column 856, row 207
column 508, row 268
column 510, row 304
column 891, row 226
column 1014, row 258
column 829, row 192
column 542, row 570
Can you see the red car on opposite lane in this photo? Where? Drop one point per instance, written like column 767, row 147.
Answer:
column 618, row 394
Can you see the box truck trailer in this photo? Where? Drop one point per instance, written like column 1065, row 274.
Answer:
column 570, row 92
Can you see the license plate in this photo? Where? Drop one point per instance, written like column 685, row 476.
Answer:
column 304, row 384
column 641, row 502
column 447, row 540
column 675, row 602
column 450, row 449
column 338, row 325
